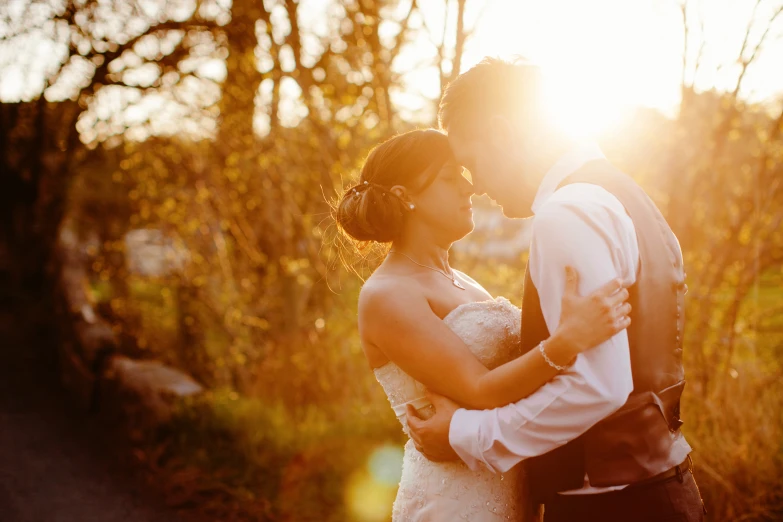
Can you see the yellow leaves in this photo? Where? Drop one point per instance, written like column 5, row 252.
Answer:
column 299, row 360
column 233, row 159
column 343, row 140
column 117, row 305
column 231, row 173
column 292, row 266
column 144, row 209
column 263, row 161
column 745, row 237
column 202, row 194
column 113, row 246
column 255, row 322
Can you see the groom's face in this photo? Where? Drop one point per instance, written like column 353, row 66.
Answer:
column 494, row 168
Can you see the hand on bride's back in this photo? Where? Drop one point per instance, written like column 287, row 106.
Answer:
column 587, row 321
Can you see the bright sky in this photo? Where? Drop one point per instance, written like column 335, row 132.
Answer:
column 603, row 56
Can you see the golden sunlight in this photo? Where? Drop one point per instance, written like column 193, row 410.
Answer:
column 601, row 57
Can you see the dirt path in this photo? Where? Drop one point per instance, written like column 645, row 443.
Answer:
column 54, row 465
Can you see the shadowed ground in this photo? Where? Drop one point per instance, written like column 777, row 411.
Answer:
column 54, row 465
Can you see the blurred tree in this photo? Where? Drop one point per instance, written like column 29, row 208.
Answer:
column 724, row 194
column 302, row 99
column 41, row 145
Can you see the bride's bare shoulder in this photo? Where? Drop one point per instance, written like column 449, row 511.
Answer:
column 382, row 291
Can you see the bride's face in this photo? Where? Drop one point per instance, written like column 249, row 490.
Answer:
column 445, row 204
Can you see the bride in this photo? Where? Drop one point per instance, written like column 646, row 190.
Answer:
column 425, row 326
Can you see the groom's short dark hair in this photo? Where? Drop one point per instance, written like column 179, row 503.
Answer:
column 494, row 86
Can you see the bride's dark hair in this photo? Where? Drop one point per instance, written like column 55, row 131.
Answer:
column 369, row 211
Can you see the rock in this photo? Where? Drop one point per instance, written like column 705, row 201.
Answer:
column 76, row 377
column 96, row 341
column 146, row 390
column 149, row 252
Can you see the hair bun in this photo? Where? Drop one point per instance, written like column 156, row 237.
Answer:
column 370, row 212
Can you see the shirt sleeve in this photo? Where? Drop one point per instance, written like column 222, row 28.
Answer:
column 586, row 227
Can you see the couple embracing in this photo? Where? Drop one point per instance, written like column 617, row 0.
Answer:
column 567, row 403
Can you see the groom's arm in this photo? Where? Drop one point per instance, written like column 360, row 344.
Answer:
column 587, row 228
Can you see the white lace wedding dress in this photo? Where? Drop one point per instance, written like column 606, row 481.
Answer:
column 446, row 492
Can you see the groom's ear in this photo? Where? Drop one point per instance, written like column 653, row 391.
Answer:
column 500, row 132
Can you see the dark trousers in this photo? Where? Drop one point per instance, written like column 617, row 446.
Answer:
column 676, row 499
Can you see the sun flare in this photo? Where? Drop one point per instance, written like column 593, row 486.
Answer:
column 601, row 58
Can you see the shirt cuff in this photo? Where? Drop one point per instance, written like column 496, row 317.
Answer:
column 464, row 438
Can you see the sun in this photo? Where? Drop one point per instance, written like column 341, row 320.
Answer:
column 600, row 58
column 582, row 109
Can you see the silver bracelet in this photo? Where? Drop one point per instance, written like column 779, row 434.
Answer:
column 548, row 360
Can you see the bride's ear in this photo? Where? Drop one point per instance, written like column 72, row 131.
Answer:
column 402, row 193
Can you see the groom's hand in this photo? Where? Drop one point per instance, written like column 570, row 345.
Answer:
column 431, row 436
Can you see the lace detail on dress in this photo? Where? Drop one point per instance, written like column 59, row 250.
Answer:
column 435, row 492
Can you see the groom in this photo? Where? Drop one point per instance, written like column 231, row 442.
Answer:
column 602, row 440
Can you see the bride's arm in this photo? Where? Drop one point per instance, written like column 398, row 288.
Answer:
column 397, row 319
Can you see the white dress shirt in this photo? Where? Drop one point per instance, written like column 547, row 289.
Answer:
column 586, row 227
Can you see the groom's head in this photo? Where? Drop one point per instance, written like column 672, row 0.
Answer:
column 494, row 115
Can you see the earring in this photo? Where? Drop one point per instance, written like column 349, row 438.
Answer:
column 412, row 207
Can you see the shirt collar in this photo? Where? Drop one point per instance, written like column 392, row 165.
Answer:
column 568, row 163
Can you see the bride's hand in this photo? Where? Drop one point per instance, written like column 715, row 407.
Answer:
column 587, row 321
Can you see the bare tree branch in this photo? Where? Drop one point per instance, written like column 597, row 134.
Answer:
column 399, row 39
column 459, row 47
column 684, row 14
column 746, row 62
